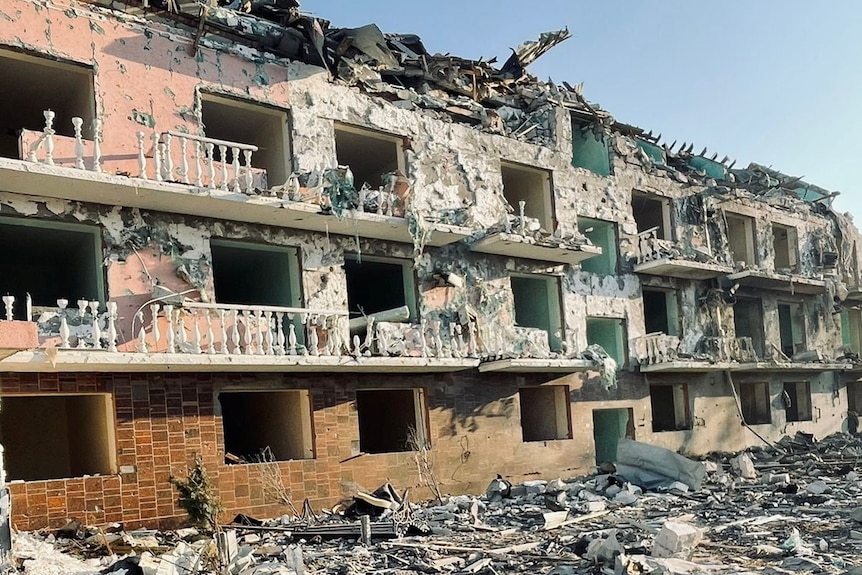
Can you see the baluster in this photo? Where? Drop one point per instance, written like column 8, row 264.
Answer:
column 235, row 340
column 196, row 331
column 246, row 333
column 198, row 168
column 269, row 336
column 313, row 340
column 357, row 347
column 363, row 197
column 184, row 160
column 210, row 335
column 369, row 334
column 302, row 319
column 112, row 325
column 77, row 123
column 459, row 338
column 157, row 157
column 142, row 334
column 49, row 137
column 422, row 341
column 28, row 307
column 438, row 340
column 522, row 222
column 82, row 309
column 170, row 334
column 279, row 333
column 167, row 158
column 336, row 337
column 64, row 325
column 291, row 337
column 142, row 157
column 223, row 151
column 182, row 334
column 249, row 177
column 97, row 145
column 235, row 156
column 380, row 201
column 471, row 331
column 211, row 164
column 261, row 332
column 457, row 341
column 154, row 313
column 223, row 322
column 9, row 301
column 97, row 331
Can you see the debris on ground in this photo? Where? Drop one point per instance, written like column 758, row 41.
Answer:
column 792, row 508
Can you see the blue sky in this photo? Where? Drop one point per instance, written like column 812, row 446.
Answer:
column 778, row 82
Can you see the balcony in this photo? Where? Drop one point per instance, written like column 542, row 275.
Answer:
column 781, row 282
column 522, row 237
column 207, row 177
column 660, row 257
column 660, row 353
column 193, row 336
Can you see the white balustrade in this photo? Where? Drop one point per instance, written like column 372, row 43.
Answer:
column 655, row 348
column 232, row 171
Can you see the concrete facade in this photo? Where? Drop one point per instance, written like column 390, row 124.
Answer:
column 709, row 238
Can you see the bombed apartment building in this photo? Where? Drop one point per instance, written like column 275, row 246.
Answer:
column 258, row 239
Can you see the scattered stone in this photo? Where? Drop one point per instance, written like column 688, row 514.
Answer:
column 676, row 540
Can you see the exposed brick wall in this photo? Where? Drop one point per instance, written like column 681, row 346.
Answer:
column 164, row 420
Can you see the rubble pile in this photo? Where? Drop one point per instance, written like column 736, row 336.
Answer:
column 790, row 508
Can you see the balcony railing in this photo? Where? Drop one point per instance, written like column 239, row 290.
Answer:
column 651, row 247
column 720, row 349
column 654, row 348
column 198, row 164
column 240, row 330
column 657, row 348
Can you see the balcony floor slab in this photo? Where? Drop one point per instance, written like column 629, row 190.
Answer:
column 76, row 360
column 34, row 179
column 530, row 365
column 684, row 269
column 515, row 245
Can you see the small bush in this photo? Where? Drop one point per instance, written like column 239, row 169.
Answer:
column 197, row 495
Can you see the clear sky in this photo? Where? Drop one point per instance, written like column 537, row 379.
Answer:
column 778, row 82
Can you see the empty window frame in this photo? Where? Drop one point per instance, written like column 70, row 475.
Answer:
column 545, row 413
column 604, row 235
column 785, row 245
column 379, row 284
column 41, row 84
column 851, row 330
column 748, row 322
column 609, row 333
column 266, row 425
column 651, row 211
column 590, row 148
column 670, row 411
column 79, row 440
column 391, row 420
column 369, row 154
column 661, row 313
column 854, row 396
column 740, row 238
column 791, row 328
column 531, row 186
column 538, row 305
column 755, row 402
column 246, row 122
column 797, row 400
column 255, row 274
column 50, row 260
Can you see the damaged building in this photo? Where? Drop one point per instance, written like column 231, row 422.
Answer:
column 242, row 234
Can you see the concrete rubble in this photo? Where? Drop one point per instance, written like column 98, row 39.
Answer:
column 801, row 513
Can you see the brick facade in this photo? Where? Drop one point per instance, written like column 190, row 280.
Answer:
column 164, row 420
